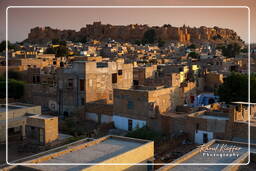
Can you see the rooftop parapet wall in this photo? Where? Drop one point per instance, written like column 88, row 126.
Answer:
column 194, row 157
column 125, row 150
column 20, row 110
column 99, row 108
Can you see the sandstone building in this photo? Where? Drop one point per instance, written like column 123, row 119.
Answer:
column 108, row 149
column 90, row 81
column 26, row 122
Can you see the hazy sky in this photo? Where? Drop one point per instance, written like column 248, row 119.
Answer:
column 22, row 20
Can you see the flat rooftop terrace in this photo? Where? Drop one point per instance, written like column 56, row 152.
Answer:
column 14, row 106
column 92, row 152
column 218, row 152
column 213, row 117
column 42, row 116
column 143, row 88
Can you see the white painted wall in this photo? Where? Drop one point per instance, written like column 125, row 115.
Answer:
column 199, row 135
column 91, row 116
column 94, row 117
column 121, row 122
column 106, row 118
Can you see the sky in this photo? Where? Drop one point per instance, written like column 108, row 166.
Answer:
column 21, row 20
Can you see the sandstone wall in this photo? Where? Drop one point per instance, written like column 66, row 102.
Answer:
column 134, row 32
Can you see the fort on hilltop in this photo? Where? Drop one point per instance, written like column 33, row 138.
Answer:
column 133, row 32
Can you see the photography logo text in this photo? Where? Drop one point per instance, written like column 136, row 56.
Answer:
column 220, row 150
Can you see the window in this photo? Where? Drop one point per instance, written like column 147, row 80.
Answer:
column 205, row 138
column 34, row 79
column 81, row 84
column 192, row 99
column 211, row 101
column 150, row 167
column 50, row 81
column 32, row 132
column 65, row 113
column 156, row 74
column 197, row 127
column 110, row 96
column 101, row 65
column 82, row 101
column 130, row 104
column 135, row 82
column 120, row 72
column 114, row 78
column 38, row 79
column 41, row 135
column 70, row 83
column 61, row 64
column 129, row 125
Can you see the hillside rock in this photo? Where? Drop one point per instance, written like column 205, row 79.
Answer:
column 135, row 32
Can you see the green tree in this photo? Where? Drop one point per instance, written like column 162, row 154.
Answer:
column 244, row 50
column 14, row 75
column 15, row 88
column 137, row 42
column 194, row 55
column 149, row 36
column 217, row 37
column 235, row 88
column 59, row 42
column 55, row 41
column 144, row 133
column 167, row 25
column 220, row 47
column 63, row 43
column 83, row 39
column 192, row 46
column 61, row 51
column 3, row 46
column 161, row 43
column 50, row 50
column 231, row 50
column 2, row 77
